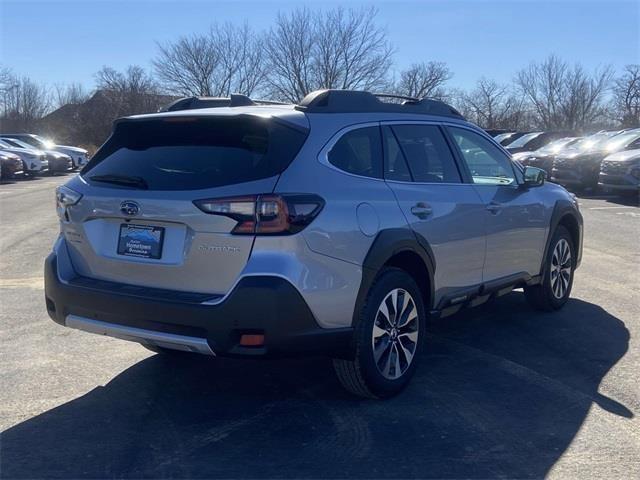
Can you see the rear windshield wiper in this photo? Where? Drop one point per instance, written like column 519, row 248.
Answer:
column 124, row 180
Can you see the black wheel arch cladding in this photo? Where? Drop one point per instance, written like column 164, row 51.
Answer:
column 388, row 244
column 565, row 213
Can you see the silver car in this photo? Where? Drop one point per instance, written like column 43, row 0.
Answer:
column 332, row 227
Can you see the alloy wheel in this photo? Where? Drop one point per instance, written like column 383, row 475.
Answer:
column 560, row 268
column 395, row 334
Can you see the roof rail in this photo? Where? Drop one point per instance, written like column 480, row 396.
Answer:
column 394, row 96
column 356, row 101
column 234, row 100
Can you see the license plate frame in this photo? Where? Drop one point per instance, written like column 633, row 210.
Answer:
column 140, row 241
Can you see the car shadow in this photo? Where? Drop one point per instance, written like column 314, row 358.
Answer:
column 631, row 200
column 501, row 393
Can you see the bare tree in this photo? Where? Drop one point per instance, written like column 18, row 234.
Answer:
column 626, row 96
column 564, row 97
column 7, row 83
column 24, row 101
column 289, row 47
column 132, row 91
column 493, row 105
column 242, row 65
column 71, row 94
column 424, row 79
column 227, row 59
column 119, row 93
column 340, row 48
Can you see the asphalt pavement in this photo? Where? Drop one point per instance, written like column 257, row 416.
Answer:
column 503, row 392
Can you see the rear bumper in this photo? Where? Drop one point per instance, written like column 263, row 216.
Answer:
column 257, row 305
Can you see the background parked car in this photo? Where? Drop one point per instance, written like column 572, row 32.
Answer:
column 34, row 161
column 543, row 157
column 494, row 132
column 10, row 165
column 535, row 140
column 579, row 167
column 620, row 172
column 58, row 162
column 79, row 156
column 505, row 139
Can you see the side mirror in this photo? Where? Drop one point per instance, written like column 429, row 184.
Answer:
column 534, row 177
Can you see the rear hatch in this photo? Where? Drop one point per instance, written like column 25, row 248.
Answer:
column 137, row 222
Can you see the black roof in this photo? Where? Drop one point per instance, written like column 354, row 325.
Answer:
column 355, row 101
column 234, row 100
column 329, row 101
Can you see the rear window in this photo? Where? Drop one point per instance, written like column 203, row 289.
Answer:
column 179, row 153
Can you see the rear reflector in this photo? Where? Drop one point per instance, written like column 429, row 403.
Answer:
column 252, row 340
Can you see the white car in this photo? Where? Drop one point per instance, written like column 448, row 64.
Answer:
column 79, row 156
column 58, row 162
column 34, row 161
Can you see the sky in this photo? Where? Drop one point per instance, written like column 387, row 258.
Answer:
column 59, row 42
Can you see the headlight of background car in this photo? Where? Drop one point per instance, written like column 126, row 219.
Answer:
column 634, row 170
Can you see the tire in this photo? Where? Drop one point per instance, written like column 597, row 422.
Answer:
column 549, row 295
column 387, row 372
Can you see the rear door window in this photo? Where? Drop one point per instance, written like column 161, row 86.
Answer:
column 427, row 154
column 191, row 153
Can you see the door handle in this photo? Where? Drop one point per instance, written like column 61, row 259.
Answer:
column 494, row 207
column 421, row 210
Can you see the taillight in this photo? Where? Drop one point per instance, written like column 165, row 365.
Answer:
column 265, row 214
column 65, row 198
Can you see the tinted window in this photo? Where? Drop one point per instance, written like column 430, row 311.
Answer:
column 395, row 165
column 181, row 153
column 487, row 163
column 359, row 152
column 427, row 153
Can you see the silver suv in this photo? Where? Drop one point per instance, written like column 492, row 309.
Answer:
column 332, row 227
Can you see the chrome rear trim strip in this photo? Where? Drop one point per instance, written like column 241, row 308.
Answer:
column 140, row 335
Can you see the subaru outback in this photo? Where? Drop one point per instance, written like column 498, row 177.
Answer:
column 333, row 227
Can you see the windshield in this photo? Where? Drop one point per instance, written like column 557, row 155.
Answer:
column 44, row 142
column 35, row 141
column 190, row 153
column 620, row 141
column 557, row 145
column 522, row 141
column 592, row 142
column 502, row 136
column 17, row 143
column 5, row 144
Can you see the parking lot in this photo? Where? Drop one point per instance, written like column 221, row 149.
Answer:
column 504, row 392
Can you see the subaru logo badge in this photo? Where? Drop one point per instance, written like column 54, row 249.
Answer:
column 129, row 208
